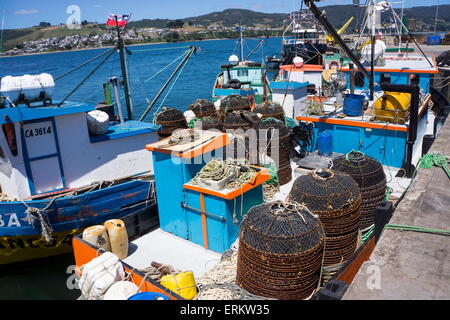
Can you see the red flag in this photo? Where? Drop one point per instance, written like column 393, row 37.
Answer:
column 122, row 20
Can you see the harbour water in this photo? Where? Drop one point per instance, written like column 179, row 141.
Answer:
column 51, row 278
column 195, row 81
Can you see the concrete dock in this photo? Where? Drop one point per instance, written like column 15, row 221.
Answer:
column 410, row 265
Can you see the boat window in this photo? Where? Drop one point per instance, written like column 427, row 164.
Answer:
column 359, row 79
column 385, row 78
column 2, row 154
column 414, row 79
column 242, row 73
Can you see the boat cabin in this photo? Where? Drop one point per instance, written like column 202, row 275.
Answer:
column 47, row 147
column 382, row 128
column 244, row 78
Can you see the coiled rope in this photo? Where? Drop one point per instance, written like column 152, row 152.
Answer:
column 434, row 159
column 219, row 169
column 36, row 215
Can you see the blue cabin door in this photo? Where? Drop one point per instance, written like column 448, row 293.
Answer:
column 42, row 156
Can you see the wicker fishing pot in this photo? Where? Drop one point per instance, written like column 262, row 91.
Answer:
column 336, row 199
column 203, row 108
column 281, row 246
column 270, row 110
column 233, row 103
column 170, row 119
column 371, row 179
column 236, row 124
column 208, row 123
column 275, row 141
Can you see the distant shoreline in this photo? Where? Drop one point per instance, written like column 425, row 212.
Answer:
column 109, row 47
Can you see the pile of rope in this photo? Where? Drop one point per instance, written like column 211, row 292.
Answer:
column 218, row 169
column 219, row 283
column 6, row 198
column 226, row 291
column 183, row 135
column 433, row 159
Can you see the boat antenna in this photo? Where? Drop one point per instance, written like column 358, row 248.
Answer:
column 126, row 87
column 435, row 20
column 1, row 34
column 373, row 13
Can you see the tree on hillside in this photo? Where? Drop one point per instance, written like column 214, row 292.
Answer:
column 44, row 24
column 175, row 24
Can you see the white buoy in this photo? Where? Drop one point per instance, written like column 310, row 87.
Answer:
column 233, row 60
column 121, row 290
column 298, row 62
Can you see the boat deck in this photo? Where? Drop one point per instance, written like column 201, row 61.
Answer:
column 413, row 265
column 166, row 248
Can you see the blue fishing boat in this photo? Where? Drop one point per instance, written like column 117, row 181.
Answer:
column 242, row 77
column 65, row 166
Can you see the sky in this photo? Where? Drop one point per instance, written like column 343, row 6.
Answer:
column 26, row 13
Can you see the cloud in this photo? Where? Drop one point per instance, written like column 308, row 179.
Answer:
column 27, row 11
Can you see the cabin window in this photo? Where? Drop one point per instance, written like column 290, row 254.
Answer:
column 385, row 78
column 242, row 73
column 414, row 79
column 359, row 79
column 2, row 154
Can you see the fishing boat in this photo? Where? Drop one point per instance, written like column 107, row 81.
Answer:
column 205, row 210
column 242, row 77
column 66, row 165
column 305, row 38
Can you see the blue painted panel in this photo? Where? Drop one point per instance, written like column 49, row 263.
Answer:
column 23, row 113
column 77, row 211
column 221, row 234
column 387, row 146
column 227, row 92
column 346, row 139
column 124, row 130
column 169, row 179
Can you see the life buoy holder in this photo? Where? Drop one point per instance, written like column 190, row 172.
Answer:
column 9, row 131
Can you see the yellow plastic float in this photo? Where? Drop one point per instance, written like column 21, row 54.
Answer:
column 393, row 107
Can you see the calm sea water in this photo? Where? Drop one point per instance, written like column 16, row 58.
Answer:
column 47, row 278
column 195, row 81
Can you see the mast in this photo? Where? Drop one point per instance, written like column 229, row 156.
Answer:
column 372, row 53
column 120, row 48
column 241, row 42
column 435, row 20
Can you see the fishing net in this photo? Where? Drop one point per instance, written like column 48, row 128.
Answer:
column 370, row 176
column 336, row 199
column 280, row 253
column 274, row 140
column 203, row 108
column 270, row 110
column 170, row 119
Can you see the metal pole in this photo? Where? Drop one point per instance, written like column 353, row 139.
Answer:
column 115, row 85
column 435, row 20
column 150, row 106
column 372, row 53
column 120, row 47
column 321, row 16
column 242, row 43
column 85, row 78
